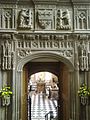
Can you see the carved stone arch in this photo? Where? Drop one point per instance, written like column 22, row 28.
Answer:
column 44, row 54
column 20, row 79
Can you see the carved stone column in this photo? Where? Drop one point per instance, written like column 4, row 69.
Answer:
column 71, row 95
column 14, row 95
column 18, row 95
column 76, row 83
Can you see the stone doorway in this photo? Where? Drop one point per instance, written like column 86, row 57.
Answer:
column 62, row 72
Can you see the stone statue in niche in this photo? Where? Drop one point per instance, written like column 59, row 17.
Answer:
column 25, row 19
column 7, row 56
column 63, row 20
column 83, row 56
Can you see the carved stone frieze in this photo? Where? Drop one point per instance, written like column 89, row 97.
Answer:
column 45, row 41
column 25, row 18
column 29, row 37
column 25, row 52
column 63, row 20
column 59, row 37
column 83, row 37
column 6, row 36
column 44, row 18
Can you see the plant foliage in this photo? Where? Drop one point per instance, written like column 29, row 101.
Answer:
column 5, row 91
column 84, row 90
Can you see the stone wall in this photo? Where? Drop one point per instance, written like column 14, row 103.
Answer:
column 30, row 28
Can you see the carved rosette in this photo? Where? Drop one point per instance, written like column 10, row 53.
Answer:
column 23, row 52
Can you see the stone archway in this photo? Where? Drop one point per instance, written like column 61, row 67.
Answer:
column 21, row 74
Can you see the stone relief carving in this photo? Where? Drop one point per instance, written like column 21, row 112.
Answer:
column 82, row 19
column 7, row 56
column 63, row 20
column 7, row 18
column 45, row 42
column 83, row 56
column 44, row 19
column 23, row 52
column 25, row 18
column 6, row 36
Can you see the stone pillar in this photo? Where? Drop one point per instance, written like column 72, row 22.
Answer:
column 76, row 100
column 18, row 95
column 76, row 83
column 14, row 95
column 72, row 105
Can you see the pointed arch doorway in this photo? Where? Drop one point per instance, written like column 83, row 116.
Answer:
column 62, row 72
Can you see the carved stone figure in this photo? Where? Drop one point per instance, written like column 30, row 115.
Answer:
column 63, row 20
column 25, row 18
column 7, row 57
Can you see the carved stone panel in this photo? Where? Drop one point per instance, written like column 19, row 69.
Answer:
column 83, row 56
column 25, row 18
column 7, row 55
column 44, row 18
column 63, row 20
column 7, row 18
column 81, row 19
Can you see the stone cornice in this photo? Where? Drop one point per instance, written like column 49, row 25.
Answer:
column 44, row 36
column 82, row 2
column 55, row 2
column 21, row 2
